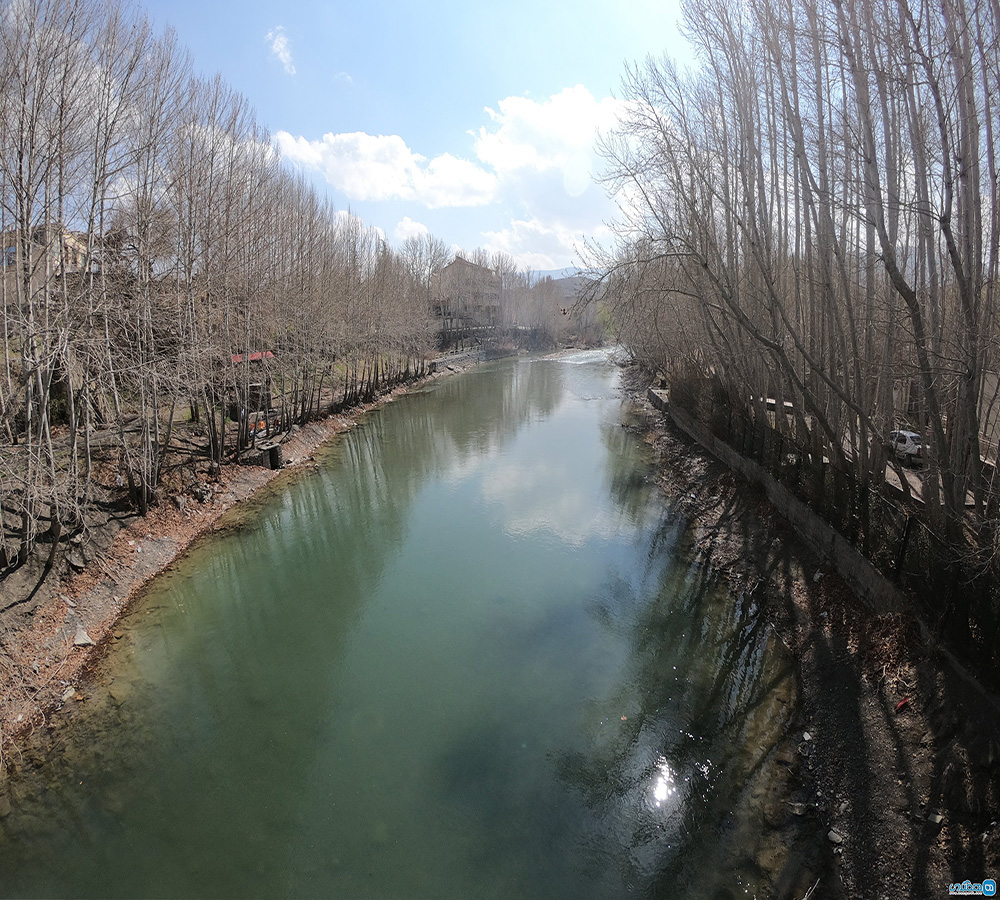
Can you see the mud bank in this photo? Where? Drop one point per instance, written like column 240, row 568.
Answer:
column 893, row 783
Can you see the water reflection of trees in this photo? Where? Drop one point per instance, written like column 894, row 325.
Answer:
column 626, row 481
column 326, row 547
column 707, row 697
column 352, row 516
column 510, row 394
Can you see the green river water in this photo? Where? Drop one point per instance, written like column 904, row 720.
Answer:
column 472, row 654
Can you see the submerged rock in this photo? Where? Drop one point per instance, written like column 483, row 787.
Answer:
column 120, row 692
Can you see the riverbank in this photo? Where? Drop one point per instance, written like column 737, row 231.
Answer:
column 893, row 781
column 48, row 642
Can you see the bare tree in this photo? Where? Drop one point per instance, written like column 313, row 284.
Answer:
column 814, row 215
column 159, row 264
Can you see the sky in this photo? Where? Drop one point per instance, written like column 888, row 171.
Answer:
column 472, row 121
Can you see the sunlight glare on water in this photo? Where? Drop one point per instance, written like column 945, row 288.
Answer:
column 664, row 787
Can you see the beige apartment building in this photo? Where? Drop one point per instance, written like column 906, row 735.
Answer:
column 466, row 299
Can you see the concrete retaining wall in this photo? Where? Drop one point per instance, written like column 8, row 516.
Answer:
column 876, row 591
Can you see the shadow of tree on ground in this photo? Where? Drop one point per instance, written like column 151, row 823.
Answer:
column 898, row 783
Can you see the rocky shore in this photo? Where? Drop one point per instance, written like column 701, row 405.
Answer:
column 892, row 784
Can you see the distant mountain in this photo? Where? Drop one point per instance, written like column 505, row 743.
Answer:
column 573, row 287
column 556, row 274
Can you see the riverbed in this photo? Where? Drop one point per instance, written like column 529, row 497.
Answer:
column 471, row 653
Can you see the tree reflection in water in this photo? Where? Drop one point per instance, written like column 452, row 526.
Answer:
column 670, row 784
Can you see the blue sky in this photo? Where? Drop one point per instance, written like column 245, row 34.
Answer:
column 474, row 121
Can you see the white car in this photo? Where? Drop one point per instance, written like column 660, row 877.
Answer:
column 907, row 446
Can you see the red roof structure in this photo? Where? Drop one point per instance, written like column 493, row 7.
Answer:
column 255, row 356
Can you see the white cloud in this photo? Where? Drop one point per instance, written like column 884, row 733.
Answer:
column 543, row 152
column 382, row 167
column 531, row 168
column 524, row 138
column 538, row 498
column 280, row 48
column 555, row 135
column 408, row 228
column 450, row 181
column 536, row 244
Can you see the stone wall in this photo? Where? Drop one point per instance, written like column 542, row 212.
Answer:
column 873, row 588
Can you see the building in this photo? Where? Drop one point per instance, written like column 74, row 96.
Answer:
column 61, row 251
column 48, row 256
column 466, row 299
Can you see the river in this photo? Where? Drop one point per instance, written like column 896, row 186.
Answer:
column 472, row 653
